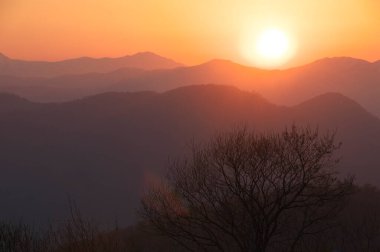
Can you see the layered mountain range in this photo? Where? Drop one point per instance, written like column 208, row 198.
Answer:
column 98, row 131
column 83, row 65
column 78, row 78
column 103, row 150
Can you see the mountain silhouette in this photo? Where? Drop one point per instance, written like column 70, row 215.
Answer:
column 67, row 87
column 144, row 60
column 103, row 150
column 354, row 78
column 10, row 103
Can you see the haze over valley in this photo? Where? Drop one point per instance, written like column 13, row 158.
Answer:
column 357, row 79
column 115, row 132
column 214, row 126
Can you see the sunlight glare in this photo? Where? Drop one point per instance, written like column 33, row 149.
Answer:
column 271, row 48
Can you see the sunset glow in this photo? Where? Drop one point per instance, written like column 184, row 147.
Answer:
column 191, row 32
column 189, row 125
column 271, row 48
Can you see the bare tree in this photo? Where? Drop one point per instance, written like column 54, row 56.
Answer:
column 20, row 238
column 75, row 234
column 249, row 192
column 80, row 234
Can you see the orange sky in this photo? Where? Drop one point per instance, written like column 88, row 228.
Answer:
column 188, row 31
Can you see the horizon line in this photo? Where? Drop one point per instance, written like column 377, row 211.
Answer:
column 187, row 65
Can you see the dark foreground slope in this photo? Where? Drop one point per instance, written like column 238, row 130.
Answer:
column 102, row 150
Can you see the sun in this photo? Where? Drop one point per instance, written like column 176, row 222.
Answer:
column 270, row 48
column 272, row 44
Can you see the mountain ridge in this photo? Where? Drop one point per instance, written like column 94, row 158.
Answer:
column 106, row 145
column 82, row 65
column 355, row 78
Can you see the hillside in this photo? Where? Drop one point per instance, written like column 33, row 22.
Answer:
column 102, row 150
column 353, row 78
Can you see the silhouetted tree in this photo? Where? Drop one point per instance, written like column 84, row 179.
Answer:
column 75, row 234
column 249, row 192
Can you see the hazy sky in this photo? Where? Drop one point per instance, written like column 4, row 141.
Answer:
column 190, row 31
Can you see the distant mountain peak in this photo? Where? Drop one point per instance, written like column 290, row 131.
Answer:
column 146, row 53
column 205, row 87
column 84, row 65
column 341, row 61
column 219, row 62
column 334, row 101
column 377, row 62
column 333, row 96
column 3, row 56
